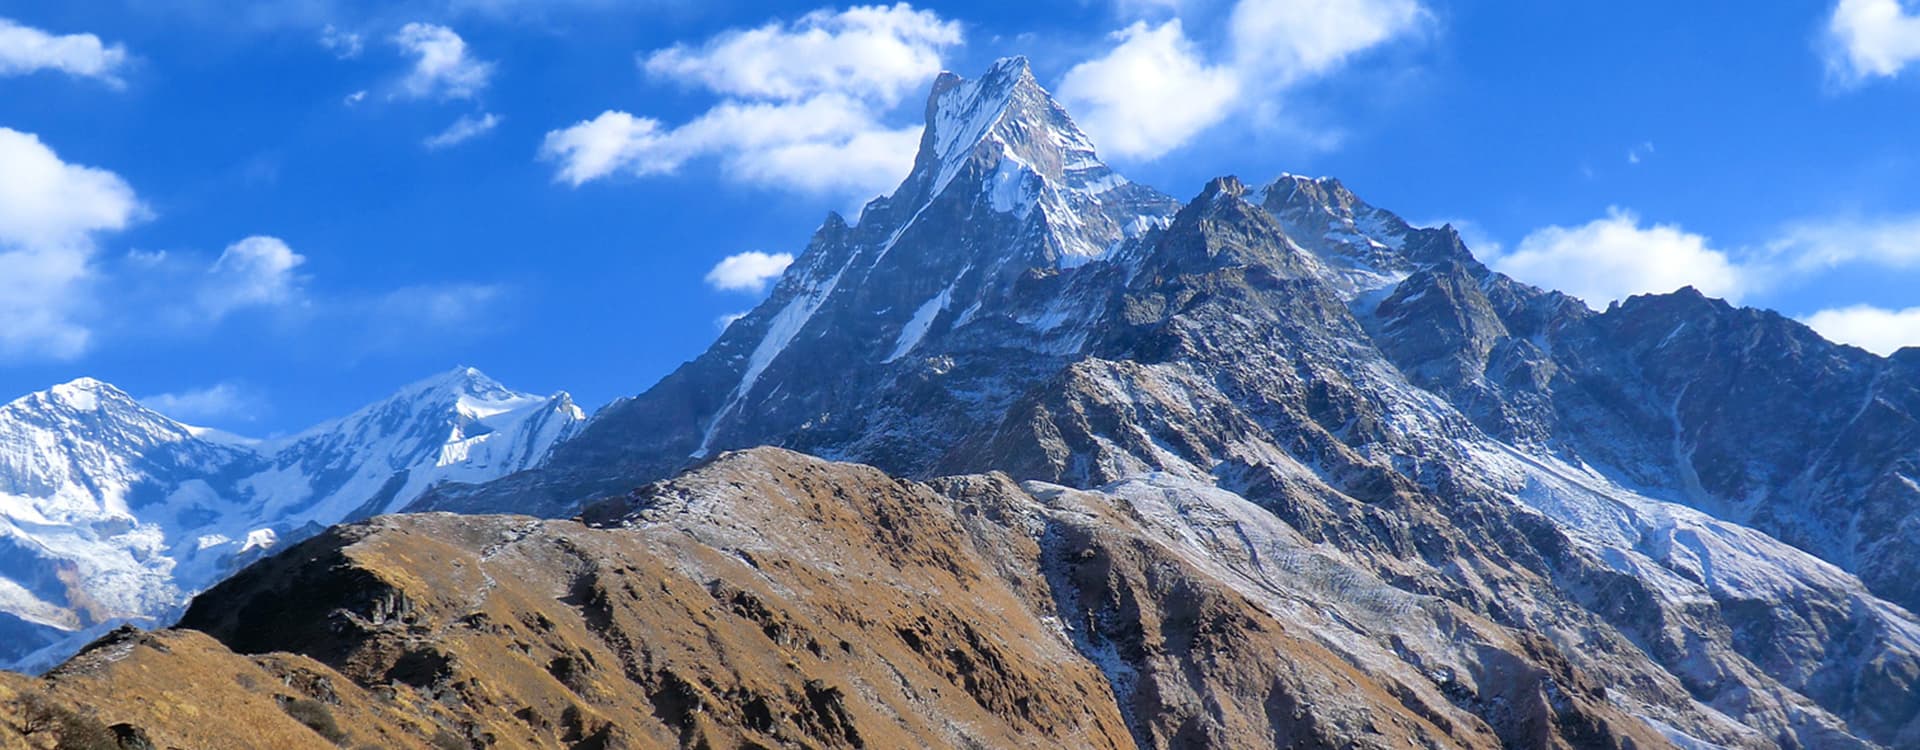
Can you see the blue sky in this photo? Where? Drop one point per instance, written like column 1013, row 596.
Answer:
column 267, row 217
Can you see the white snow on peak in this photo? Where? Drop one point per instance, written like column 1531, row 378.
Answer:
column 113, row 512
column 966, row 115
column 82, row 394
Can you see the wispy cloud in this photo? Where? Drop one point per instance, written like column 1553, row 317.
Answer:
column 345, row 45
column 221, row 402
column 462, row 130
column 443, row 67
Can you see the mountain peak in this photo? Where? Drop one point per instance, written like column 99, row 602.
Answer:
column 1007, row 113
column 459, row 381
column 84, row 394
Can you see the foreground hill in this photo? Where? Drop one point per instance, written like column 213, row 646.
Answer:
column 768, row 599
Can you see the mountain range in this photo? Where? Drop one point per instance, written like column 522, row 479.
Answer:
column 112, row 513
column 1065, row 461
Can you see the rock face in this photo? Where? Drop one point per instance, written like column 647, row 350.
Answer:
column 1707, row 509
column 111, row 512
column 769, row 599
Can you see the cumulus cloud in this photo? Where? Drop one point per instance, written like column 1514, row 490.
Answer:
column 462, row 130
column 1875, row 329
column 1291, row 40
column 801, row 104
column 220, row 402
column 1154, row 91
column 50, row 214
column 24, row 49
column 748, row 272
column 1151, row 93
column 1616, row 257
column 442, row 67
column 257, row 271
column 879, row 52
column 1871, row 38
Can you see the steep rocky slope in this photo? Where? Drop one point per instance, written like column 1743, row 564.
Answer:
column 770, row 599
column 1704, row 506
column 111, row 512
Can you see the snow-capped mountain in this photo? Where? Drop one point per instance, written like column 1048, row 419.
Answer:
column 1710, row 510
column 111, row 512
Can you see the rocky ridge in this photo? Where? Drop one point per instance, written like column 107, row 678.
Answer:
column 770, row 599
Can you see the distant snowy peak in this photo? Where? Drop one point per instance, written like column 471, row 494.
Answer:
column 81, row 447
column 457, row 425
column 110, row 511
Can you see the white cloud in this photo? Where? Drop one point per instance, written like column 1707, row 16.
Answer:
column 748, row 272
column 1640, row 152
column 50, row 214
column 724, row 321
column 354, row 98
column 258, row 271
column 462, row 130
column 1871, row 38
column 1613, row 258
column 1154, row 90
column 878, row 52
column 345, row 45
column 1888, row 241
column 215, row 403
column 1290, row 40
column 1150, row 94
column 1874, row 329
column 442, row 67
column 24, row 49
column 592, row 149
column 802, row 105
